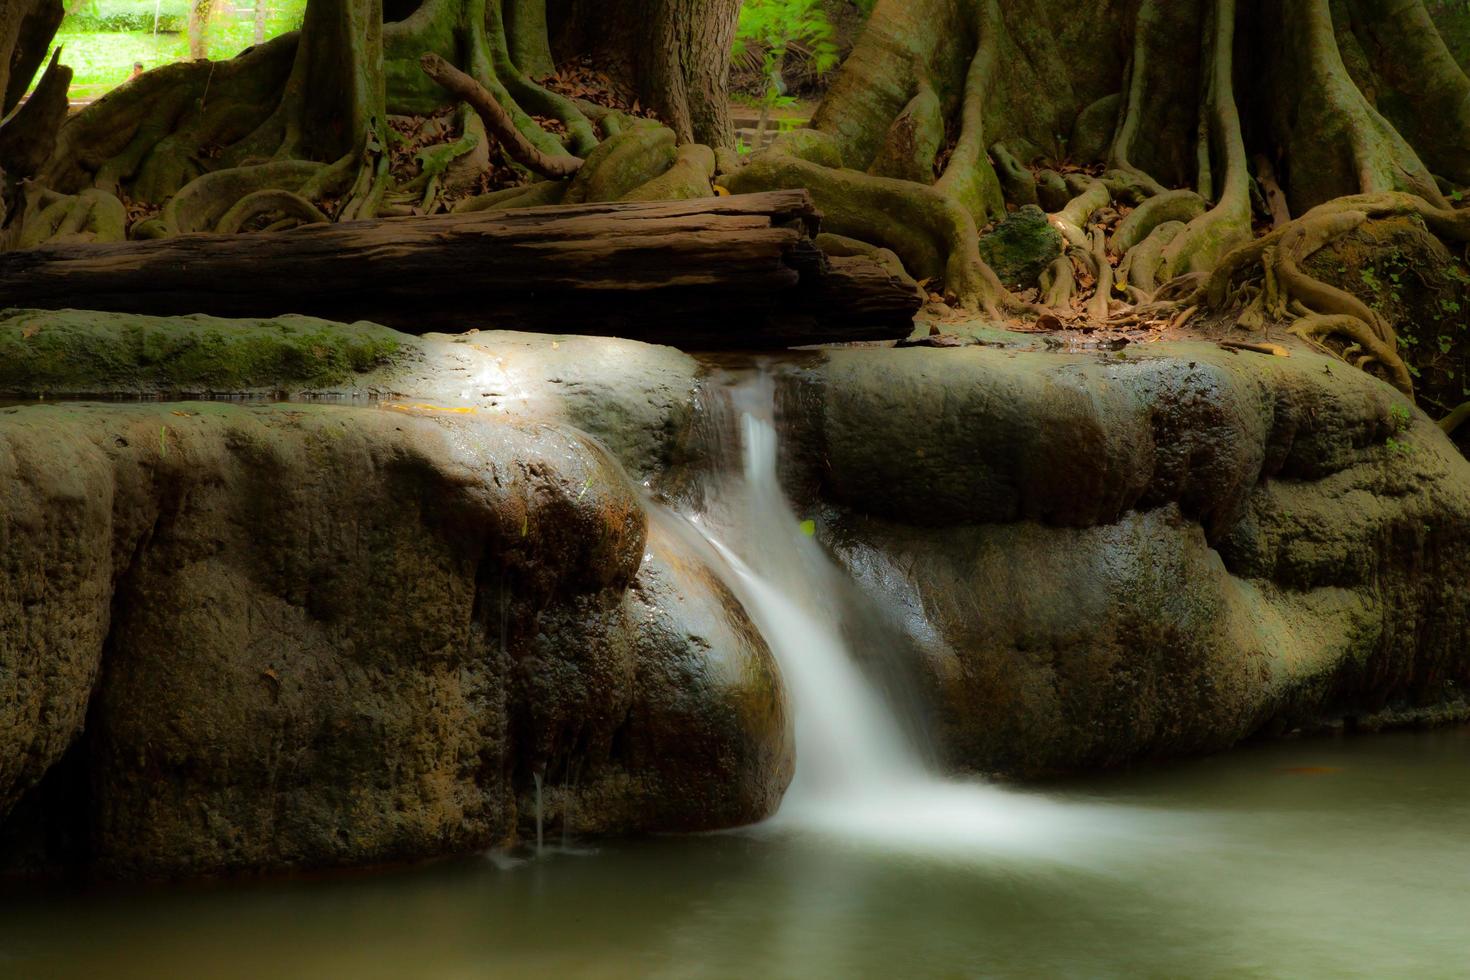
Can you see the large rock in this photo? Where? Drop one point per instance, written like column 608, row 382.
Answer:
column 310, row 636
column 303, row 635
column 1099, row 559
column 1398, row 268
column 635, row 398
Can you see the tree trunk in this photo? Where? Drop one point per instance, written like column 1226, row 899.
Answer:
column 199, row 12
column 721, row 273
column 674, row 55
column 26, row 29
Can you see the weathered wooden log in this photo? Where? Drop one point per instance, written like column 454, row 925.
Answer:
column 714, row 274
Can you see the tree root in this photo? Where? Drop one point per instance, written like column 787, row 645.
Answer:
column 268, row 202
column 1145, row 258
column 931, row 232
column 528, row 196
column 1175, row 206
column 497, row 120
column 1318, row 326
column 623, row 163
column 1059, row 284
column 1097, row 307
column 1016, row 181
column 91, row 216
column 914, row 140
column 1452, row 422
column 203, row 202
column 1286, row 291
column 1071, row 219
column 689, row 177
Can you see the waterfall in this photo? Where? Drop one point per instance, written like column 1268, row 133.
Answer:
column 847, row 739
column 859, row 776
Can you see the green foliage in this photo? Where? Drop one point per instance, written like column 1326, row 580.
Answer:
column 103, row 39
column 779, row 25
column 769, row 30
column 1401, row 416
column 103, row 16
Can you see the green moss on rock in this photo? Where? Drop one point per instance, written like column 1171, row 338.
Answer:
column 1021, row 247
column 81, row 352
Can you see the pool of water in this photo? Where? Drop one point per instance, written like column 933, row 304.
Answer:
column 1304, row 858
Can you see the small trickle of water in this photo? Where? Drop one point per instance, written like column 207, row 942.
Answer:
column 859, row 776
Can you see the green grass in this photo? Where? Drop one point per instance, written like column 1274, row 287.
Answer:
column 101, row 60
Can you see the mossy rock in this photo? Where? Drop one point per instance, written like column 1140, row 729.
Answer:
column 74, row 351
column 1021, row 247
column 1407, row 274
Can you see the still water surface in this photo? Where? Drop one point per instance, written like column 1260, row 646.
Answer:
column 1306, row 858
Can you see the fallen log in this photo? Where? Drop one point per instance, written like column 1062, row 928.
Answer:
column 714, row 274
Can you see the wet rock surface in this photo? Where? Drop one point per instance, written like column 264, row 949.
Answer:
column 274, row 636
column 306, row 636
column 1102, row 559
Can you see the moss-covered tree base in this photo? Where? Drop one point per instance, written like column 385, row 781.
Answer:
column 1194, row 155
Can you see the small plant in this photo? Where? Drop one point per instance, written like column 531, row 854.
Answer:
column 768, row 31
column 1401, row 417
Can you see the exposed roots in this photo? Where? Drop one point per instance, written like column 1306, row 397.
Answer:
column 1266, row 275
column 933, row 234
column 91, row 216
column 498, row 121
column 278, row 204
column 1367, row 348
column 948, row 114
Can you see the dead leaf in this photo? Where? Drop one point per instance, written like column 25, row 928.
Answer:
column 1275, row 350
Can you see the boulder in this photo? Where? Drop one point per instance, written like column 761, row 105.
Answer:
column 305, row 635
column 309, row 636
column 1100, row 559
column 635, row 398
column 1021, row 246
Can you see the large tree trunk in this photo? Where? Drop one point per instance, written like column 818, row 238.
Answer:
column 723, row 273
column 26, row 29
column 673, row 54
column 1191, row 114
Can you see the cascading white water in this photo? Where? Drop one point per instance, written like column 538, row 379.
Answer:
column 858, row 776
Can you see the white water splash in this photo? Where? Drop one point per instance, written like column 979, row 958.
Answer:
column 859, row 778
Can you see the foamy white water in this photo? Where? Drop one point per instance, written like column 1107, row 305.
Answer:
column 858, row 777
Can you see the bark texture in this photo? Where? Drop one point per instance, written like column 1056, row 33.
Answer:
column 673, row 54
column 26, row 28
column 1215, row 119
column 716, row 274
column 1146, row 104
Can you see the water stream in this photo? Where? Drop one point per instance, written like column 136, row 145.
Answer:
column 860, row 776
column 1341, row 857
